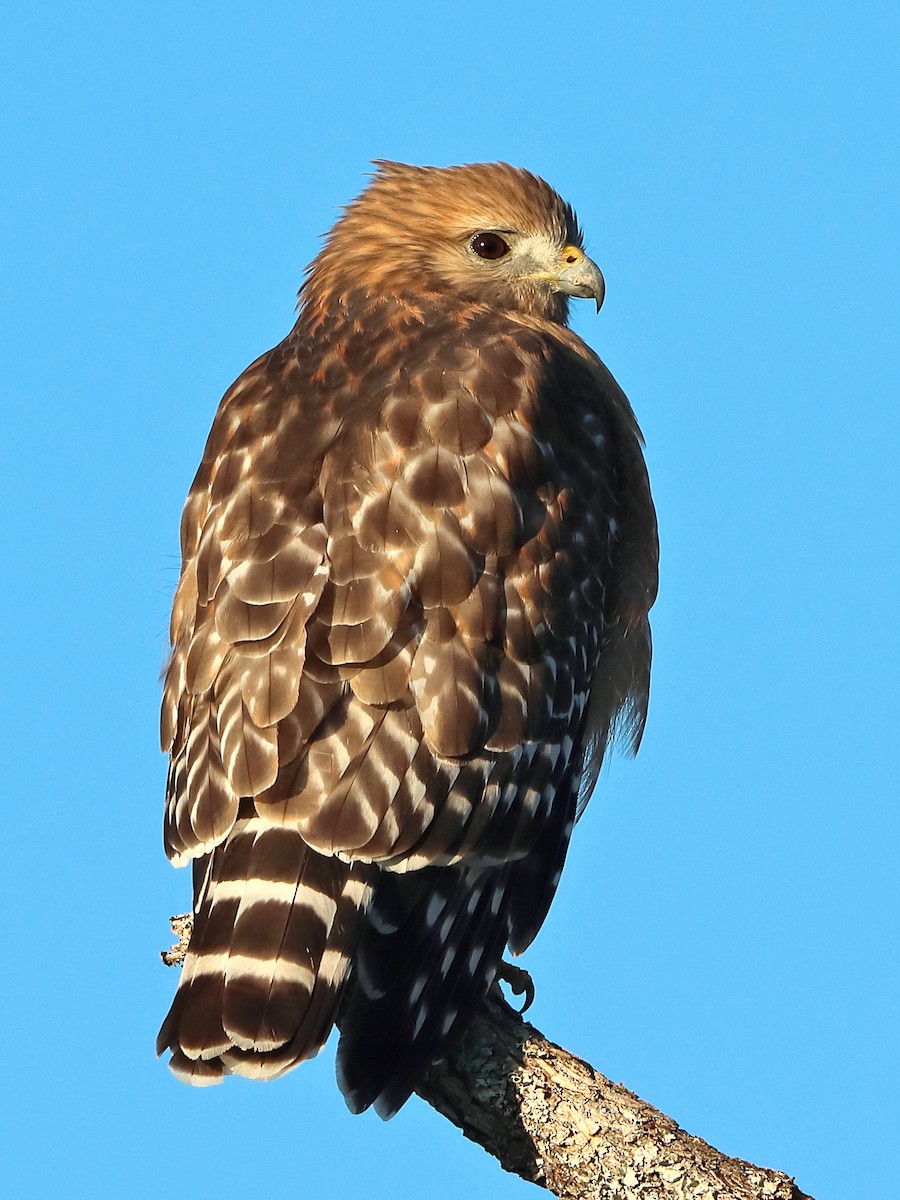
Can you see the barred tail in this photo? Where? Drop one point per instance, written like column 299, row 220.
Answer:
column 275, row 925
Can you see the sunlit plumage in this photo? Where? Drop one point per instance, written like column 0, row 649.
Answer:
column 418, row 558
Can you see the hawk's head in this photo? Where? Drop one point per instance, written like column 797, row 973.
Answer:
column 486, row 233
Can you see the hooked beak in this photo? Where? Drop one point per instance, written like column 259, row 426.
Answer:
column 580, row 276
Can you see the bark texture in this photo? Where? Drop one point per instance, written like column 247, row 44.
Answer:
column 550, row 1118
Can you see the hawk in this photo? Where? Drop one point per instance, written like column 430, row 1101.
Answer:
column 417, row 562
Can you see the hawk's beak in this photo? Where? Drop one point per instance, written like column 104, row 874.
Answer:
column 580, row 276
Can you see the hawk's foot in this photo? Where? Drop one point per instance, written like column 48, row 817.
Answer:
column 518, row 981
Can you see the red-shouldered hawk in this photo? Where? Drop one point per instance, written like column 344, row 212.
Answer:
column 418, row 558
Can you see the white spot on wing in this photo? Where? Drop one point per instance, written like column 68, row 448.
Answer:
column 434, row 909
column 417, row 988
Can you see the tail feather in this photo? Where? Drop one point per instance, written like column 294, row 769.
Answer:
column 277, row 926
column 274, row 929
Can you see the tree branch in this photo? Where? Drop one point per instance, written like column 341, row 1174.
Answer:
column 550, row 1118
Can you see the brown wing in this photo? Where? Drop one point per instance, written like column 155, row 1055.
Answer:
column 404, row 567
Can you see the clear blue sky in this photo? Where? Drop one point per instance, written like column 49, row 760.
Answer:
column 725, row 939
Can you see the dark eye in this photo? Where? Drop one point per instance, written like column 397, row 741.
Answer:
column 489, row 245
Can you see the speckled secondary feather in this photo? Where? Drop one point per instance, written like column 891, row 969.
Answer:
column 418, row 558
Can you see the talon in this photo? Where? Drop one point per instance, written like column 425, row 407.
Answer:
column 519, row 983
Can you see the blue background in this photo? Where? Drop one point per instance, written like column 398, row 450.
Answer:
column 725, row 938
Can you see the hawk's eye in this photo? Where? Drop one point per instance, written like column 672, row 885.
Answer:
column 489, row 245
